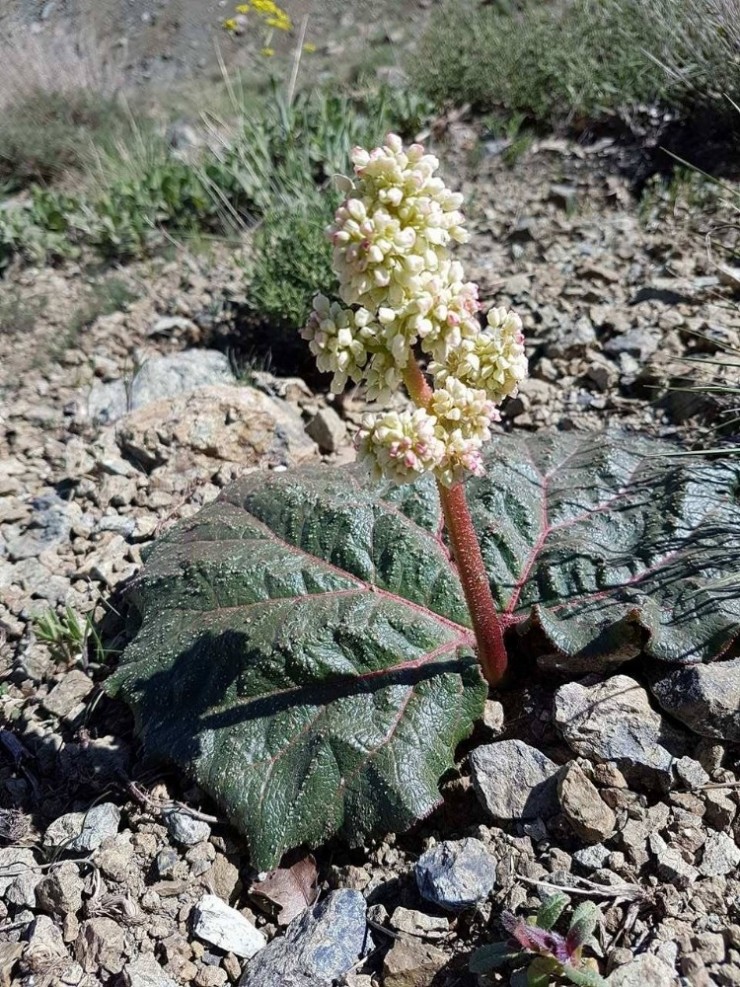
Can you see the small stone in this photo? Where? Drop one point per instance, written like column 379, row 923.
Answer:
column 222, row 878
column 146, row 972
column 456, row 874
column 166, row 862
column 45, row 950
column 710, row 946
column 613, row 721
column 210, row 976
column 117, row 860
column 514, row 781
column 66, row 697
column 410, row 963
column 185, row 828
column 671, row 865
column 84, row 831
column 101, row 943
column 720, row 811
column 327, row 430
column 705, row 697
column 319, row 947
column 22, row 892
column 589, row 816
column 721, row 855
column 493, row 717
column 591, row 857
column 690, row 773
column 645, row 970
column 14, row 863
column 217, row 923
column 60, row 892
column 415, row 923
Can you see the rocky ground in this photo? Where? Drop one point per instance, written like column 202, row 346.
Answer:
column 113, row 426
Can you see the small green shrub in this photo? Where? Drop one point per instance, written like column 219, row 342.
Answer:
column 546, row 61
column 44, row 136
column 576, row 61
column 292, row 261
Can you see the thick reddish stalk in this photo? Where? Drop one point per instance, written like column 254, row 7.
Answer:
column 466, row 552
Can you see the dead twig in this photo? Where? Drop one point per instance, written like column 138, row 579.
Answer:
column 164, row 805
column 620, row 892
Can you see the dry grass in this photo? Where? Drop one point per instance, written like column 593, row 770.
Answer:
column 55, row 62
column 58, row 95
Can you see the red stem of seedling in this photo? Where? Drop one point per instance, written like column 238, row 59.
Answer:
column 466, row 552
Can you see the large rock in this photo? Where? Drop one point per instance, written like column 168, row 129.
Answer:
column 704, row 697
column 159, row 377
column 213, row 426
column 318, row 947
column 514, row 781
column 614, row 721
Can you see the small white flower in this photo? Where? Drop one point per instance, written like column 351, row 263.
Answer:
column 400, row 446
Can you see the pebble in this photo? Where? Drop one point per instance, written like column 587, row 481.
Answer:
column 592, row 857
column 83, row 831
column 101, row 943
column 671, row 865
column 146, row 972
column 415, row 923
column 45, row 948
column 704, row 697
column 185, row 828
column 643, row 971
column 514, row 781
column 690, row 773
column 14, row 863
column 721, row 855
column 217, row 923
column 589, row 816
column 318, row 947
column 456, row 874
column 327, row 430
column 60, row 891
column 411, row 963
column 66, row 697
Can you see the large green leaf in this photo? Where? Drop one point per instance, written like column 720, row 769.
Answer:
column 305, row 653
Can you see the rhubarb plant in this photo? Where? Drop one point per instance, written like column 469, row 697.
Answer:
column 312, row 646
column 550, row 956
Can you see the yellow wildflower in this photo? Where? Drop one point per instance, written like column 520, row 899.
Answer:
column 267, row 52
column 243, row 8
column 230, row 24
column 279, row 20
column 309, row 48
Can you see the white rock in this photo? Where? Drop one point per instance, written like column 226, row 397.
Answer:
column 217, row 923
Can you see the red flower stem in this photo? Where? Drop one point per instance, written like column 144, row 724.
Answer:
column 466, row 551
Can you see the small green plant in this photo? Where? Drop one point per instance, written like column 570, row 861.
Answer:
column 69, row 637
column 571, row 63
column 551, row 957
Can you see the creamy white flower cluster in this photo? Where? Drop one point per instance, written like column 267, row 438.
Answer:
column 401, row 293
